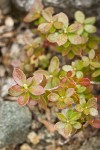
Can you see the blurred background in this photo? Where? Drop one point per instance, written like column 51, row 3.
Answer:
column 21, row 128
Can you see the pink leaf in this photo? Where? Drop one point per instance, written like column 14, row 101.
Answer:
column 37, row 90
column 15, row 90
column 19, row 76
column 96, row 124
column 23, row 99
column 37, row 78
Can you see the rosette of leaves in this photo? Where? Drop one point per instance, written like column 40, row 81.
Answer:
column 87, row 64
column 26, row 89
column 63, row 98
column 88, row 107
column 87, row 23
column 69, row 122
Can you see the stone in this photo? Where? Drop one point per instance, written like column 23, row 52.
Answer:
column 92, row 144
column 33, row 138
column 5, row 5
column 14, row 123
column 9, row 22
column 25, row 147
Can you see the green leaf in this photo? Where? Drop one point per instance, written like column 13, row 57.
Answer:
column 77, row 125
column 92, row 54
column 55, row 82
column 67, row 68
column 80, row 89
column 86, row 61
column 90, row 20
column 72, row 115
column 75, row 116
column 96, row 73
column 79, row 108
column 93, row 112
column 67, row 130
column 95, row 64
column 68, row 101
column 52, row 37
column 92, row 102
column 90, row 28
column 44, row 27
column 74, row 27
column 61, row 105
column 58, row 25
column 79, row 16
column 61, row 117
column 54, row 65
column 53, row 97
column 79, row 74
column 76, row 39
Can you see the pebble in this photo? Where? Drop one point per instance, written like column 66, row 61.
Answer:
column 9, row 22
column 25, row 147
column 33, row 138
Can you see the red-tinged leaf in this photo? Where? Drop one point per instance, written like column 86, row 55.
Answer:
column 19, row 76
column 37, row 78
column 31, row 17
column 42, row 103
column 23, row 99
column 37, row 90
column 37, row 6
column 54, row 65
column 47, row 14
column 34, row 12
column 68, row 130
column 44, row 27
column 53, row 97
column 61, row 17
column 59, row 125
column 70, row 92
column 29, row 81
column 32, row 103
column 84, row 81
column 96, row 124
column 15, row 90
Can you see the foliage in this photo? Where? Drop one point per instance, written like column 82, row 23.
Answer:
column 66, row 87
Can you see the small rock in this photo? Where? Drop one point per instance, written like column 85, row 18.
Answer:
column 33, row 138
column 25, row 147
column 2, row 148
column 9, row 22
column 14, row 123
column 8, row 83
